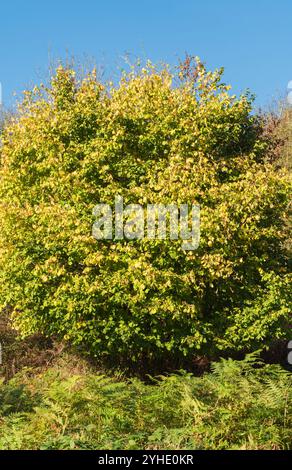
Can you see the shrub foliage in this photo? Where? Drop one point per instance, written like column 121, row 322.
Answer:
column 156, row 137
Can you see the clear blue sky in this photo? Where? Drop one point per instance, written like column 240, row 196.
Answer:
column 252, row 39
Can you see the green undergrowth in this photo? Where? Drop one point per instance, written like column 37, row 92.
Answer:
column 238, row 405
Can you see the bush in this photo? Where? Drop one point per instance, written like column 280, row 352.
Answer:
column 157, row 137
column 237, row 406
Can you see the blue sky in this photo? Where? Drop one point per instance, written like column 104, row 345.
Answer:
column 252, row 39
